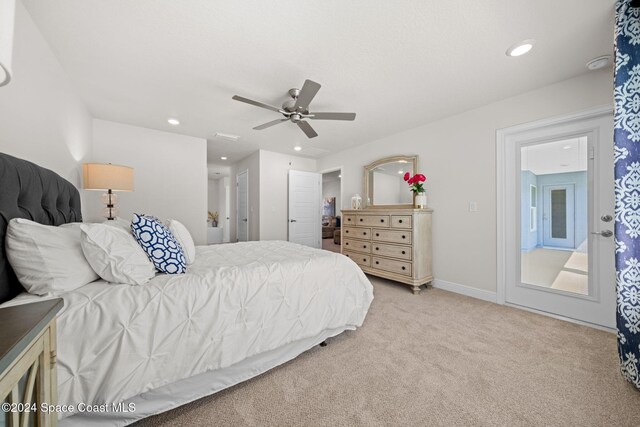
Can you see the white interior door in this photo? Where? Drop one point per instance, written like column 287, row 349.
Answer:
column 305, row 208
column 577, row 281
column 227, row 210
column 242, row 191
column 558, row 218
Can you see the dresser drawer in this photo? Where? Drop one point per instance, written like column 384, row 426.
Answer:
column 373, row 220
column 401, row 221
column 349, row 220
column 392, row 236
column 391, row 265
column 360, row 259
column 357, row 245
column 358, row 233
column 403, row 252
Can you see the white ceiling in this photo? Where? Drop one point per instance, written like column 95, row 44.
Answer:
column 569, row 155
column 396, row 64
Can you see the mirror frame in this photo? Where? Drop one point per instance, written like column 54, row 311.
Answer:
column 367, row 185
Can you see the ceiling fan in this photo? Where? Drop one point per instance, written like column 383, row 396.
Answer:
column 296, row 109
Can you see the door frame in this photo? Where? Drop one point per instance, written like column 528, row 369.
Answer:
column 334, row 169
column 506, row 220
column 238, row 202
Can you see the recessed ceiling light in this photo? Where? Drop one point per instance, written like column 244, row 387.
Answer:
column 173, row 122
column 566, row 147
column 598, row 63
column 297, row 148
column 520, row 48
column 223, row 158
column 400, row 172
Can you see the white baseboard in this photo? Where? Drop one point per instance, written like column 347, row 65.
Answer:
column 465, row 290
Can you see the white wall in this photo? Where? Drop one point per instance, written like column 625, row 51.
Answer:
column 170, row 174
column 458, row 157
column 251, row 164
column 274, row 184
column 43, row 119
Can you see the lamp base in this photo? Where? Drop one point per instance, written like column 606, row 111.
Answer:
column 110, row 212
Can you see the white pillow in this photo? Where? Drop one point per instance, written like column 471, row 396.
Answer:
column 183, row 237
column 115, row 255
column 48, row 260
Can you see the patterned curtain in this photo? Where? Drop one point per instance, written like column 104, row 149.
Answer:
column 627, row 178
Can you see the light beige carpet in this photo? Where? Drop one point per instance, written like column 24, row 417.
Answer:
column 435, row 359
column 328, row 245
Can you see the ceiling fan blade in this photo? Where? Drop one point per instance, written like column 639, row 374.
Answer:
column 333, row 116
column 269, row 124
column 307, row 93
column 307, row 129
column 256, row 103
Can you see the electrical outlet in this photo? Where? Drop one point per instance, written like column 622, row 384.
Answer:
column 473, row 206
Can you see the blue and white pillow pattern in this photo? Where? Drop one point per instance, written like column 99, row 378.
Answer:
column 159, row 244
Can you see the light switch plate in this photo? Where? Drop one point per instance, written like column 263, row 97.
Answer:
column 473, row 206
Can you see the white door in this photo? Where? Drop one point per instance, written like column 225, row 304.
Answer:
column 577, row 281
column 227, row 210
column 305, row 216
column 558, row 218
column 242, row 198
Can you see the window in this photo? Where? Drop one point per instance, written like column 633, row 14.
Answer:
column 533, row 203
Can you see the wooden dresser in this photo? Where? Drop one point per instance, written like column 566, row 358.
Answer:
column 28, row 364
column 391, row 243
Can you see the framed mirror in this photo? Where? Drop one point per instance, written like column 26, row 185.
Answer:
column 384, row 184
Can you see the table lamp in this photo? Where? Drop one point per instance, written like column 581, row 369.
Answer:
column 109, row 178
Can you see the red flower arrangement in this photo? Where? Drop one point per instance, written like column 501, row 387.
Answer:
column 415, row 182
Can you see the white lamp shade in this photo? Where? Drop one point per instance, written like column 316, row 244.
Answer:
column 101, row 176
column 7, row 20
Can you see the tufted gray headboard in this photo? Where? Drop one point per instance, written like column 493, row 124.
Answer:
column 30, row 191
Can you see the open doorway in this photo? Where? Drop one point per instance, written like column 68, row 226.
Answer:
column 331, row 208
column 219, row 212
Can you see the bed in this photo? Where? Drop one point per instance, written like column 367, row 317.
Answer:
column 240, row 310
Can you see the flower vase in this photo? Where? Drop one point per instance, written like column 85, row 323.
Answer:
column 419, row 200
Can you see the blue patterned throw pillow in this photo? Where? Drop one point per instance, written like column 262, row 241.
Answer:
column 159, row 244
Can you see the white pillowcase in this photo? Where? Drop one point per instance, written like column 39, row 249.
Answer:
column 183, row 237
column 115, row 255
column 47, row 260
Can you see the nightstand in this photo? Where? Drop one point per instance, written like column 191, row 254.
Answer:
column 28, row 363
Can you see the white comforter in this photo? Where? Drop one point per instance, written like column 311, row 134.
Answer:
column 236, row 301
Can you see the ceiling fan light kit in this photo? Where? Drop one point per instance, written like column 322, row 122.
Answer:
column 296, row 109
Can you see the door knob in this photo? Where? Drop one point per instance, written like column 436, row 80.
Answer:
column 603, row 233
column 245, row 220
column 606, row 218
column 292, row 220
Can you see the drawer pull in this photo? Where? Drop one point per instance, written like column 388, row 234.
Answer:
column 377, row 249
column 349, row 219
column 400, row 221
column 404, row 268
column 365, row 260
column 377, row 262
column 360, row 219
column 382, row 220
column 403, row 252
column 364, row 234
column 364, row 246
column 346, row 231
column 348, row 256
column 346, row 243
column 377, row 234
column 403, row 236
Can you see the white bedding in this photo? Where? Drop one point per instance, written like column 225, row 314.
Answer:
column 236, row 301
